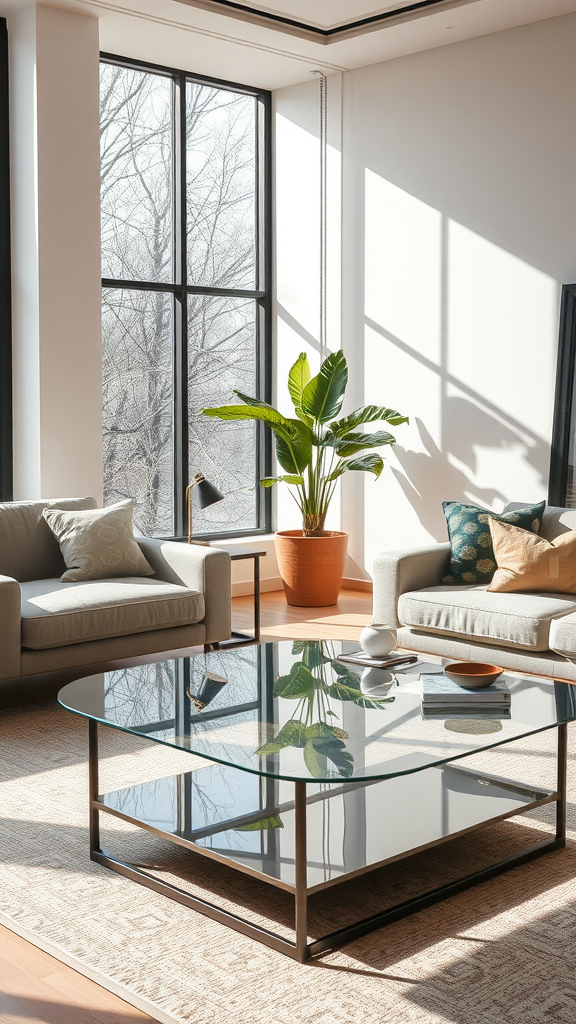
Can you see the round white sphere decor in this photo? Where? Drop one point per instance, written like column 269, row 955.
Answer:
column 377, row 640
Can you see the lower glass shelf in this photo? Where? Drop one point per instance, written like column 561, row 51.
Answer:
column 248, row 821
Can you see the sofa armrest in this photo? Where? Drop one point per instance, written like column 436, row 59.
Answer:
column 397, row 572
column 201, row 568
column 10, row 628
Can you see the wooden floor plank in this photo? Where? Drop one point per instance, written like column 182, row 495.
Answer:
column 13, row 1012
column 49, row 991
column 343, row 621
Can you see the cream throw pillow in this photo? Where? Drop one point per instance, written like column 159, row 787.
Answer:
column 97, row 543
column 529, row 562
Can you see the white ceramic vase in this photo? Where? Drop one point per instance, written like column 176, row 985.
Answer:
column 377, row 640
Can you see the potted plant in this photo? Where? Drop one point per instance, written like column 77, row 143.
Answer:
column 314, row 449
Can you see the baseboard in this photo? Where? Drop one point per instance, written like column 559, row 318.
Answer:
column 275, row 583
column 348, row 583
column 243, row 589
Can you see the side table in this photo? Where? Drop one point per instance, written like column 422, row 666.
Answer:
column 237, row 638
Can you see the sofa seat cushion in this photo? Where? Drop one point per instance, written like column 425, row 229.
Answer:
column 563, row 635
column 55, row 614
column 509, row 620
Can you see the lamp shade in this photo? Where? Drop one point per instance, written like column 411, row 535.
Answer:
column 207, row 494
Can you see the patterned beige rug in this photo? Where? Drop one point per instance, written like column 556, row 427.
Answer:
column 502, row 953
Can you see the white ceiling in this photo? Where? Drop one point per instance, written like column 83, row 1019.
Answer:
column 177, row 33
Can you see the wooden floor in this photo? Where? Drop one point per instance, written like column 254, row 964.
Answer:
column 35, row 988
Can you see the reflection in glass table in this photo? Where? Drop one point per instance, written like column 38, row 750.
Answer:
column 304, row 753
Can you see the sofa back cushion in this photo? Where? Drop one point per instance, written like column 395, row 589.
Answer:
column 28, row 548
column 557, row 521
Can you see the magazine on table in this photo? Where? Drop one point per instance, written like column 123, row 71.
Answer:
column 437, row 688
column 482, row 712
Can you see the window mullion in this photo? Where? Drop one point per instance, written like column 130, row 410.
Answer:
column 180, row 318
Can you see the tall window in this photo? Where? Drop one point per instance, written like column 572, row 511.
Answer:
column 186, row 292
column 5, row 281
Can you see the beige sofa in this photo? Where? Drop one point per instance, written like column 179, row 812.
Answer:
column 47, row 625
column 529, row 632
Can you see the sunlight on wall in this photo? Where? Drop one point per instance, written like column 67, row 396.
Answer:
column 500, row 313
column 403, row 276
column 460, row 336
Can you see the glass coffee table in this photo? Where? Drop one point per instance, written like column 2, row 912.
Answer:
column 317, row 771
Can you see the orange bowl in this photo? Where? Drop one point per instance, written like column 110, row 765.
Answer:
column 472, row 675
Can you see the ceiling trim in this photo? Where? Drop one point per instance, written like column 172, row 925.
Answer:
column 114, row 8
column 256, row 16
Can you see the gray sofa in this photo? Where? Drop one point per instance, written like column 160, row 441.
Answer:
column 46, row 625
column 528, row 632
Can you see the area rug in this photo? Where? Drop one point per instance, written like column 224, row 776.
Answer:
column 501, row 953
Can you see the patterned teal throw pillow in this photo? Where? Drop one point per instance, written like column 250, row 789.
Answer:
column 472, row 558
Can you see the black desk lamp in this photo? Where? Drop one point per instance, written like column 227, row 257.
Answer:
column 207, row 495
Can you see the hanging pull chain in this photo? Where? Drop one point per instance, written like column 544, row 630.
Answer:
column 323, row 209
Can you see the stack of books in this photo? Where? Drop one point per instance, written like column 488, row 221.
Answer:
column 442, row 696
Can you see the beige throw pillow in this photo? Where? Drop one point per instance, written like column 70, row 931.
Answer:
column 529, row 562
column 98, row 543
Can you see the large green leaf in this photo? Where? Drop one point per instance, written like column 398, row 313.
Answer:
column 298, row 378
column 292, row 734
column 365, row 464
column 260, row 826
column 298, row 683
column 342, row 691
column 368, row 414
column 299, row 646
column 247, row 412
column 312, row 652
column 293, row 446
column 350, row 444
column 316, row 763
column 323, row 395
column 269, row 481
column 257, row 403
column 318, row 751
column 352, row 678
column 322, row 730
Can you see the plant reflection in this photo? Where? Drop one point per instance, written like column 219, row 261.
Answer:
column 313, row 681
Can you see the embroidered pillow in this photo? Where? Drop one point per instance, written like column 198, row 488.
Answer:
column 528, row 562
column 98, row 543
column 472, row 558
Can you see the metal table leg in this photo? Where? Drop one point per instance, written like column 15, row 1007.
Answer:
column 94, row 815
column 561, row 789
column 301, row 903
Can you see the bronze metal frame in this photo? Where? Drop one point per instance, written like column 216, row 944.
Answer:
column 301, row 949
column 237, row 638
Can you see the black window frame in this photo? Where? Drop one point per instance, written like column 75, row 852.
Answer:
column 6, row 430
column 563, row 425
column 180, row 289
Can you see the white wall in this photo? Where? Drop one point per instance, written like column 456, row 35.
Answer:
column 54, row 58
column 458, row 229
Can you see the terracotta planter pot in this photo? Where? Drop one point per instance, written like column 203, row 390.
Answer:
column 311, row 567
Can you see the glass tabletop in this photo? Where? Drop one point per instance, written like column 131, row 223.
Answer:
column 292, row 710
